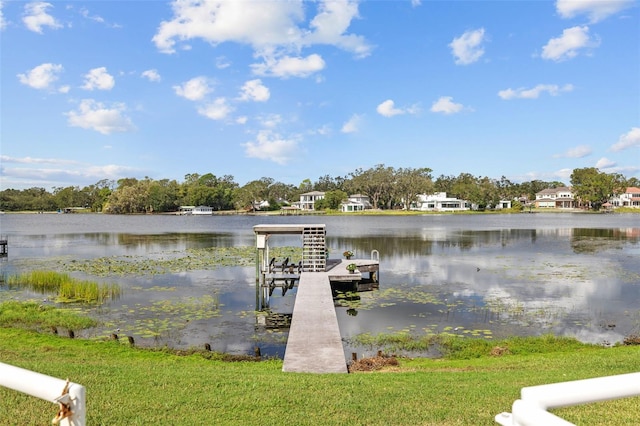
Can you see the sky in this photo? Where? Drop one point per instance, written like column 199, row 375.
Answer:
column 295, row 90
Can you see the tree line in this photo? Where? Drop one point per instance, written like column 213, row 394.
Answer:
column 386, row 187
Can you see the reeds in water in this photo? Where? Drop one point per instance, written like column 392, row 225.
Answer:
column 68, row 289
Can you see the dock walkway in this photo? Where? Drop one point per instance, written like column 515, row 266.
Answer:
column 314, row 344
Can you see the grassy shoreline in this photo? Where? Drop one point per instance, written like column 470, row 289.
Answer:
column 128, row 385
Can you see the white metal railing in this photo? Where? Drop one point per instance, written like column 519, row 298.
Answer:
column 69, row 396
column 531, row 408
column 375, row 255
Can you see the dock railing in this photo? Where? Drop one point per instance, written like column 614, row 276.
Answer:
column 531, row 408
column 68, row 395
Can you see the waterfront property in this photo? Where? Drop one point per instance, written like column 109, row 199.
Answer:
column 555, row 198
column 630, row 198
column 356, row 203
column 308, row 200
column 439, row 202
column 202, row 210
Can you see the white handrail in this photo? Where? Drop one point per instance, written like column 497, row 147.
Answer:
column 531, row 409
column 375, row 255
column 47, row 388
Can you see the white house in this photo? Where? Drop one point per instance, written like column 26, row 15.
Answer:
column 630, row 198
column 555, row 198
column 439, row 202
column 503, row 204
column 308, row 199
column 356, row 203
column 202, row 210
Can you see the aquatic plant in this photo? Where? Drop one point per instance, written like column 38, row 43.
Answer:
column 68, row 289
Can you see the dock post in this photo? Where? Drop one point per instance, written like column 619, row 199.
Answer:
column 4, row 246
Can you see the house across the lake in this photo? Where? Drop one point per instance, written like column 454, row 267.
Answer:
column 439, row 202
column 356, row 203
column 202, row 210
column 308, row 199
column 555, row 198
column 630, row 198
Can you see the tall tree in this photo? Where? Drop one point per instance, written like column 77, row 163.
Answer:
column 594, row 188
column 444, row 184
column 409, row 183
column 375, row 182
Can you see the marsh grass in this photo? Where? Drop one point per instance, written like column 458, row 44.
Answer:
column 68, row 289
column 453, row 346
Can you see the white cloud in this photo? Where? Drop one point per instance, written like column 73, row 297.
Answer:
column 31, row 160
column 62, row 172
column 353, row 124
column 242, row 119
column 467, row 48
column 261, row 24
column 596, row 10
column 627, row 140
column 222, row 62
column 152, row 75
column 289, row 66
column 270, row 120
column 605, row 163
column 84, row 12
column 271, row 146
column 563, row 174
column 568, row 44
column 36, row 17
column 42, row 76
column 416, row 3
column 273, row 29
column 535, row 92
column 195, row 89
column 254, row 23
column 216, row 110
column 254, row 90
column 576, row 152
column 98, row 78
column 446, row 105
column 96, row 116
column 388, row 109
column 323, row 130
column 332, row 22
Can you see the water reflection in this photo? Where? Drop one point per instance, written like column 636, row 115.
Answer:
column 477, row 276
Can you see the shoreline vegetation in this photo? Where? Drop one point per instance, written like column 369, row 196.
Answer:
column 370, row 212
column 129, row 385
column 65, row 288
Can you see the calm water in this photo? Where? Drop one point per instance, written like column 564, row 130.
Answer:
column 485, row 276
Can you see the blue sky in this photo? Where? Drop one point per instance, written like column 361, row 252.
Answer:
column 297, row 90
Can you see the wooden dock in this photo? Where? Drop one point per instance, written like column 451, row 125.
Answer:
column 314, row 344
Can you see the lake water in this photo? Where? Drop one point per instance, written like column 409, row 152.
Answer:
column 481, row 276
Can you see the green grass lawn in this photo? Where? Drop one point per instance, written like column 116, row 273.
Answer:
column 130, row 386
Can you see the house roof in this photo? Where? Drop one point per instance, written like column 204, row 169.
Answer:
column 554, row 190
column 632, row 190
column 313, row 193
